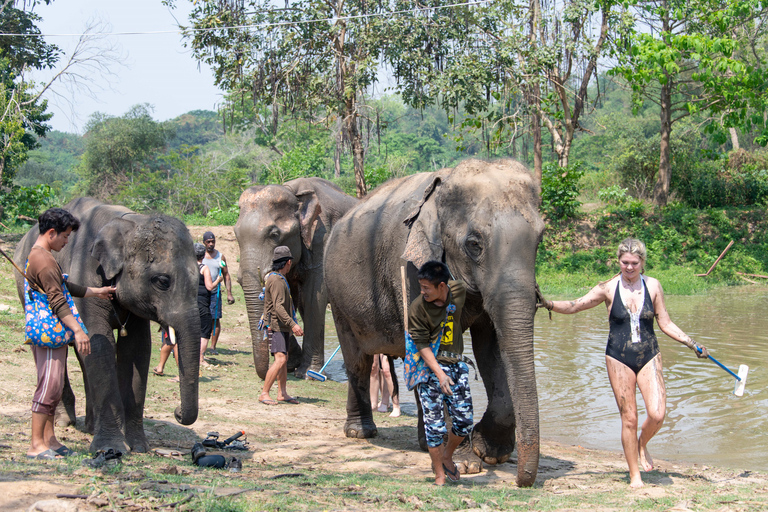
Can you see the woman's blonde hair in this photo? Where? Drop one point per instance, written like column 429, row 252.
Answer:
column 632, row 246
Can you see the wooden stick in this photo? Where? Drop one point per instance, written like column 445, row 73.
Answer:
column 752, row 275
column 31, row 284
column 716, row 261
column 748, row 280
column 405, row 297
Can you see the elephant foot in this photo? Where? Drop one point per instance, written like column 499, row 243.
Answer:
column 64, row 417
column 489, row 453
column 138, row 443
column 467, row 461
column 105, row 442
column 300, row 373
column 360, row 429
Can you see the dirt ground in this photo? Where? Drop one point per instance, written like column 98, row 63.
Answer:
column 305, row 438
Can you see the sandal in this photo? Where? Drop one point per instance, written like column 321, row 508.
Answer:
column 159, row 374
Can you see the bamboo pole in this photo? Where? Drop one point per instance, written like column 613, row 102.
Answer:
column 717, row 260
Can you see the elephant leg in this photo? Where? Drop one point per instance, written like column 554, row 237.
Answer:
column 359, row 422
column 104, row 395
column 294, row 354
column 133, row 358
column 65, row 411
column 315, row 300
column 493, row 438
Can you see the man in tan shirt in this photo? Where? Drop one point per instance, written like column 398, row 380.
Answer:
column 279, row 315
column 55, row 226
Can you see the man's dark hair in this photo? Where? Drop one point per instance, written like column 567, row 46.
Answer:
column 279, row 264
column 435, row 272
column 58, row 219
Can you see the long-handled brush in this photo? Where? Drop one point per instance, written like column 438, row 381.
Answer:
column 319, row 375
column 741, row 378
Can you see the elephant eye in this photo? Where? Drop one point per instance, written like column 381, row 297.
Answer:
column 274, row 233
column 161, row 281
column 473, row 246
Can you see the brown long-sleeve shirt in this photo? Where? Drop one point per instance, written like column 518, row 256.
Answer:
column 278, row 305
column 425, row 321
column 46, row 274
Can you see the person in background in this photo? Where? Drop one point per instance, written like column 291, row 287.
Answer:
column 281, row 321
column 632, row 356
column 55, row 226
column 381, row 379
column 205, row 288
column 217, row 265
column 165, row 352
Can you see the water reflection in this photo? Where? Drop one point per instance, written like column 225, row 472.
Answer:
column 705, row 422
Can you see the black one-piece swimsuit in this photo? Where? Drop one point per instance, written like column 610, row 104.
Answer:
column 620, row 346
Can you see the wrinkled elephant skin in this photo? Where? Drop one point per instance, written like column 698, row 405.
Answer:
column 482, row 220
column 150, row 260
column 300, row 215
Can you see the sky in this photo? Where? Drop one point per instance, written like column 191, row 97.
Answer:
column 154, row 68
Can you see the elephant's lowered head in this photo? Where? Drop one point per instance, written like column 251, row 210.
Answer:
column 152, row 264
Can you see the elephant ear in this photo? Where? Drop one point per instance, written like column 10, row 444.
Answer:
column 424, row 240
column 109, row 246
column 309, row 214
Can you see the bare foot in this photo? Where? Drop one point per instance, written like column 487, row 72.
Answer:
column 636, row 483
column 383, row 408
column 395, row 411
column 645, row 459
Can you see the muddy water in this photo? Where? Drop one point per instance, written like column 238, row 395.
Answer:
column 705, row 422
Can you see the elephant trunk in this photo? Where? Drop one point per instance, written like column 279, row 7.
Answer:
column 187, row 329
column 251, row 284
column 514, row 329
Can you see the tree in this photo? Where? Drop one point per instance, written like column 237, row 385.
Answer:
column 118, row 149
column 22, row 112
column 505, row 63
column 685, row 57
column 312, row 58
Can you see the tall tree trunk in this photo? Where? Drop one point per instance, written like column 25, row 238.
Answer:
column 734, row 138
column 337, row 152
column 536, row 132
column 358, row 151
column 661, row 189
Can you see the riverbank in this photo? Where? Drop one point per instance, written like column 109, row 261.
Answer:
column 682, row 242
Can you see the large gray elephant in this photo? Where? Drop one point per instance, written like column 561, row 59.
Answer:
column 482, row 220
column 300, row 215
column 150, row 261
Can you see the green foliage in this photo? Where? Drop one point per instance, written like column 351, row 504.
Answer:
column 54, row 163
column 560, row 189
column 301, row 161
column 118, row 149
column 614, row 195
column 25, row 201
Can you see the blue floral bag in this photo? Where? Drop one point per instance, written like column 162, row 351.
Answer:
column 43, row 328
column 415, row 371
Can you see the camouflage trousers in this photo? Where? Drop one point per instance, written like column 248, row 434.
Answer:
column 459, row 404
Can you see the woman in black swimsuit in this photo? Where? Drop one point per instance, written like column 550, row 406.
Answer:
column 632, row 355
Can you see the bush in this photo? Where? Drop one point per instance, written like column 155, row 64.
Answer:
column 613, row 195
column 559, row 190
column 26, row 201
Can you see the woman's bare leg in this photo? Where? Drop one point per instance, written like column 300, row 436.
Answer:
column 624, row 382
column 650, row 380
column 374, row 382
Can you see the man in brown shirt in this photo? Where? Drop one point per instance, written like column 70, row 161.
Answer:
column 55, row 226
column 278, row 313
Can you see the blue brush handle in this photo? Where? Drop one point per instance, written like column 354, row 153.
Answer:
column 329, row 359
column 721, row 365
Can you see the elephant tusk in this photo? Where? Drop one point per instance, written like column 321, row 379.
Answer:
column 172, row 335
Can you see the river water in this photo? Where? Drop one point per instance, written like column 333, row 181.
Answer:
column 705, row 422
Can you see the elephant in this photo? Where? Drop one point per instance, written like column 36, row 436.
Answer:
column 298, row 214
column 150, row 261
column 481, row 219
